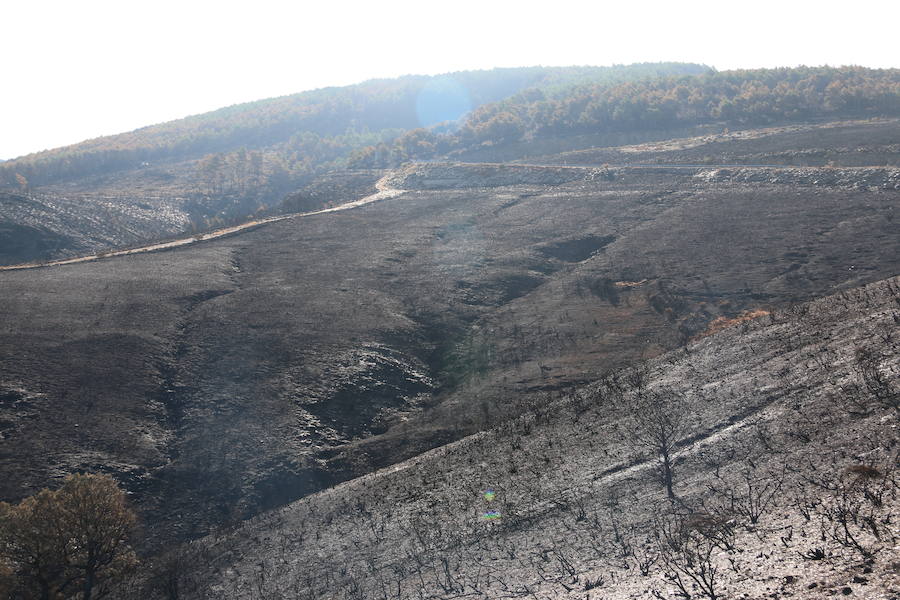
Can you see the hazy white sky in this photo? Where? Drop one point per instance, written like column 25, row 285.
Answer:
column 77, row 69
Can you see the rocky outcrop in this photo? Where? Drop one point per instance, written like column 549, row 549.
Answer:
column 860, row 178
column 434, row 176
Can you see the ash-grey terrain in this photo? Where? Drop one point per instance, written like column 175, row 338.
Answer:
column 785, row 481
column 477, row 329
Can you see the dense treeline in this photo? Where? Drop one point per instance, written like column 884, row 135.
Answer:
column 314, row 128
column 735, row 98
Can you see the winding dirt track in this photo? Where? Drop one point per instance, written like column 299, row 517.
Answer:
column 384, row 192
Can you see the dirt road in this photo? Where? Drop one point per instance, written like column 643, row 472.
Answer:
column 384, row 192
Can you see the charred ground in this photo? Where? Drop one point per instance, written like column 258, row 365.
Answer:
column 234, row 375
column 785, row 484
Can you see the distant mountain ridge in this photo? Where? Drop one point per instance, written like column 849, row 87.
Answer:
column 203, row 171
column 275, row 155
column 741, row 98
column 365, row 109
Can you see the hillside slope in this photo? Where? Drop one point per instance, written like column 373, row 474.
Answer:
column 203, row 171
column 233, row 375
column 206, row 169
column 786, row 484
column 728, row 99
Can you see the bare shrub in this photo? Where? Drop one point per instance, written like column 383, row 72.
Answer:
column 175, row 575
column 717, row 528
column 873, row 386
column 858, row 508
column 688, row 555
column 751, row 494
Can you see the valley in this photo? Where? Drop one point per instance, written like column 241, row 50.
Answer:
column 240, row 372
column 775, row 434
column 624, row 332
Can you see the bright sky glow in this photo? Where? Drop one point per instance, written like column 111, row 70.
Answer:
column 77, row 70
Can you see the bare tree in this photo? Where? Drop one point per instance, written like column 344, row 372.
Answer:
column 657, row 422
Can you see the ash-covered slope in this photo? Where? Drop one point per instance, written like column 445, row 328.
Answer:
column 240, row 373
column 785, row 482
column 850, row 143
column 43, row 227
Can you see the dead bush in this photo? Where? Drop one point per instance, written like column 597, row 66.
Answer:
column 689, row 556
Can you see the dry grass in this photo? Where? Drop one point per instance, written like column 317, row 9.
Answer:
column 720, row 323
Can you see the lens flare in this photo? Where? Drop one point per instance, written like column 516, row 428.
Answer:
column 442, row 99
